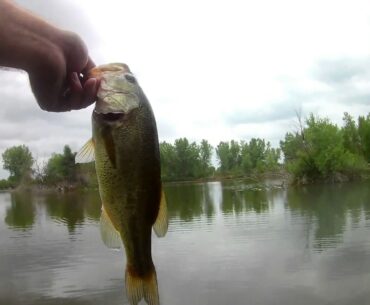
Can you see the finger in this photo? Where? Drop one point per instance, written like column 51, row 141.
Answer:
column 79, row 100
column 90, row 91
column 80, row 92
column 74, row 83
column 70, row 95
column 90, row 64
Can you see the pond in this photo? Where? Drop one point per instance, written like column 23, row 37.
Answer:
column 228, row 243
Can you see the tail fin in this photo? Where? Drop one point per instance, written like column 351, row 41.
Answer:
column 142, row 287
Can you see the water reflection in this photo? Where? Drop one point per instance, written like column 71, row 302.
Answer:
column 188, row 201
column 239, row 201
column 306, row 245
column 329, row 210
column 21, row 213
column 71, row 209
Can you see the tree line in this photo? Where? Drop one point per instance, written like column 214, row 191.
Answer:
column 181, row 160
column 184, row 160
column 320, row 150
column 317, row 150
column 24, row 169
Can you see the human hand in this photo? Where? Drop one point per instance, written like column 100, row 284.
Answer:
column 59, row 80
column 57, row 61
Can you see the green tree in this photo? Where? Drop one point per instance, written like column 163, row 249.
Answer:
column 18, row 161
column 235, row 157
column 184, row 160
column 5, row 184
column 246, row 159
column 256, row 150
column 187, row 158
column 54, row 169
column 351, row 137
column 238, row 158
column 223, row 155
column 205, row 151
column 319, row 152
column 364, row 134
column 168, row 161
column 69, row 165
column 229, row 156
column 271, row 158
column 61, row 167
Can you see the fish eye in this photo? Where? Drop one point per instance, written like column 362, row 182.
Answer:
column 130, row 78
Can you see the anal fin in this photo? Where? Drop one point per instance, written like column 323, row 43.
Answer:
column 161, row 224
column 110, row 236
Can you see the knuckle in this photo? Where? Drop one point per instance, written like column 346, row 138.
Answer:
column 75, row 50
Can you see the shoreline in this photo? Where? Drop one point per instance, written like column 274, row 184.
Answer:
column 286, row 178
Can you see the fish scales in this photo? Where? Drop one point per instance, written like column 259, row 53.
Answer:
column 127, row 162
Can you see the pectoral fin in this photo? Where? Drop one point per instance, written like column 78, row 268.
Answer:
column 110, row 236
column 161, row 224
column 86, row 153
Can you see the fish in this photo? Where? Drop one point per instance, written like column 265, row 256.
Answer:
column 125, row 148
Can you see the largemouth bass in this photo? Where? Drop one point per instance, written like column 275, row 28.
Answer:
column 125, row 148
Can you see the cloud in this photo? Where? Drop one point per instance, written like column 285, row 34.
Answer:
column 66, row 14
column 206, row 79
column 335, row 84
column 348, row 79
column 341, row 71
column 264, row 114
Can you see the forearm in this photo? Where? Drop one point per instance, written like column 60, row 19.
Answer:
column 24, row 38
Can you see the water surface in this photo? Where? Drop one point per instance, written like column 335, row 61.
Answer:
column 228, row 243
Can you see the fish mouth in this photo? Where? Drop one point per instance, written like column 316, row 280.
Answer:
column 110, row 116
column 98, row 72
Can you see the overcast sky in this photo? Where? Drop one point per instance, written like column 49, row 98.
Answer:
column 218, row 70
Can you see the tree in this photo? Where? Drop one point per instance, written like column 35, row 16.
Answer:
column 239, row 158
column 351, row 137
column 223, row 155
column 5, row 184
column 272, row 156
column 18, row 161
column 187, row 158
column 205, row 151
column 69, row 165
column 168, row 160
column 246, row 160
column 256, row 150
column 291, row 146
column 61, row 167
column 364, row 134
column 321, row 153
column 234, row 157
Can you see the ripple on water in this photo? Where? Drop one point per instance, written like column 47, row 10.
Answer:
column 221, row 246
